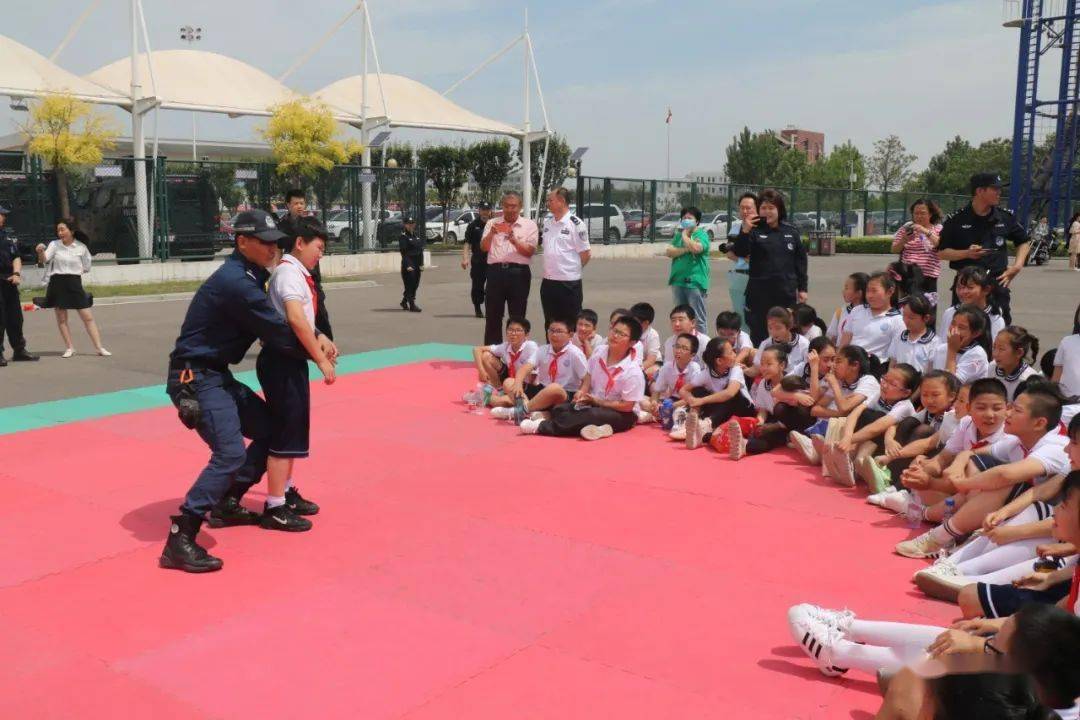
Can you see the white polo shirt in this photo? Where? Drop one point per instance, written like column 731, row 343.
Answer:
column 971, row 362
column 838, row 324
column 872, row 332
column 564, row 241
column 650, row 339
column 966, row 437
column 514, row 359
column 761, row 396
column 623, row 381
column 897, row 411
column 289, row 282
column 1049, row 451
column 669, row 347
column 1068, row 359
column 708, row 379
column 671, row 379
column 570, row 366
column 637, row 351
column 917, row 353
column 867, row 386
column 797, row 350
column 1013, row 379
column 594, row 342
column 997, row 323
column 948, row 427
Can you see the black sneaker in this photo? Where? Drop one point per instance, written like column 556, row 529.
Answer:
column 298, row 504
column 23, row 356
column 3, row 362
column 282, row 518
column 229, row 513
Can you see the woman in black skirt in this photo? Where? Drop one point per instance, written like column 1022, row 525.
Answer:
column 66, row 260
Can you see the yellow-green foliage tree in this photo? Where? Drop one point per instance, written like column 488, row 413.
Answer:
column 305, row 140
column 66, row 134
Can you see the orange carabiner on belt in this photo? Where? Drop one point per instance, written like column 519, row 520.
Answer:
column 186, row 376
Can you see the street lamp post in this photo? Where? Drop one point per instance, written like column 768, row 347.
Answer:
column 191, row 35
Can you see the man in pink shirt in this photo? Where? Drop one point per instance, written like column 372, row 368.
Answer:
column 510, row 242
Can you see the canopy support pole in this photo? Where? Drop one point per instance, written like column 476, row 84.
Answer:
column 142, row 217
column 526, row 144
column 365, row 187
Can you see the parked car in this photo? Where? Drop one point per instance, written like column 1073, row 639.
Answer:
column 455, row 229
column 808, row 221
column 638, row 222
column 337, row 225
column 668, row 224
column 715, row 224
column 594, row 214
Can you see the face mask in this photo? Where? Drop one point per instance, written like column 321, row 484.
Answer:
column 687, row 223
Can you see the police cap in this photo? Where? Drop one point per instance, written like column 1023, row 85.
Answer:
column 258, row 224
column 985, row 180
column 4, row 210
column 408, row 220
column 485, row 205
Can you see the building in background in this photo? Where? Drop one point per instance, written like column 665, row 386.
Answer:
column 810, row 142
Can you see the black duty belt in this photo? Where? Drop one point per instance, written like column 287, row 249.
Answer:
column 196, row 365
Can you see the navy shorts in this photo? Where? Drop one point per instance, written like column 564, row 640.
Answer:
column 999, row 601
column 532, row 390
column 985, row 462
column 284, row 381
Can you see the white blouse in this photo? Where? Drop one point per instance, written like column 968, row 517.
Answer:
column 61, row 259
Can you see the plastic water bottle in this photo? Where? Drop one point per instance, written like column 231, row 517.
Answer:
column 915, row 510
column 519, row 411
column 667, row 414
column 950, row 509
column 485, row 394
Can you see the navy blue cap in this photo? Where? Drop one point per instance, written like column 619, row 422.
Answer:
column 485, row 205
column 4, row 210
column 258, row 224
column 985, row 180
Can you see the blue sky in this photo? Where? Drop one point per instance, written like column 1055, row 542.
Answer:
column 610, row 68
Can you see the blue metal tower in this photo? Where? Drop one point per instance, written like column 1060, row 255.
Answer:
column 1045, row 128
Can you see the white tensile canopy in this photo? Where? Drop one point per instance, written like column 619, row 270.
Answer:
column 25, row 73
column 402, row 102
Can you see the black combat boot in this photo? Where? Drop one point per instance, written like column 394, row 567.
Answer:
column 229, row 512
column 182, row 552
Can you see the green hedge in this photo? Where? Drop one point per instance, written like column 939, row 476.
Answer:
column 865, row 245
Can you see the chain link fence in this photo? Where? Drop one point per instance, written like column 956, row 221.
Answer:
column 193, row 203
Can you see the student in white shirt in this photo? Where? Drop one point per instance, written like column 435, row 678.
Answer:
column 974, row 287
column 585, row 338
column 916, row 344
column 682, row 321
column 554, row 373
column 610, row 392
column 717, row 393
column 1012, row 346
column 1032, row 451
column 637, row 350
column 873, row 326
column 645, row 314
column 506, row 365
column 729, row 327
column 781, row 327
column 854, row 294
column 673, row 376
column 565, row 239
column 284, row 379
column 1067, row 359
column 66, row 260
column 964, row 352
column 807, row 322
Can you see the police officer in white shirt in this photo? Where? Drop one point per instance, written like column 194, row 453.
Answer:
column 566, row 252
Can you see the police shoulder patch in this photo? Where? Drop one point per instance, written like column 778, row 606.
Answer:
column 575, row 219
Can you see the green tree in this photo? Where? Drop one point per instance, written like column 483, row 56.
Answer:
column 752, row 158
column 446, row 167
column 950, row 171
column 836, row 168
column 66, row 134
column 890, row 165
column 490, row 162
column 556, row 168
column 305, row 141
column 793, row 169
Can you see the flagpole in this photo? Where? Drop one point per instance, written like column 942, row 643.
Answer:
column 667, row 122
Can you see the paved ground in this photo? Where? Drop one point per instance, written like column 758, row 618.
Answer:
column 141, row 334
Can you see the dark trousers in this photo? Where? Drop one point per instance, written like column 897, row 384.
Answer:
column 767, row 439
column 907, row 430
column 567, row 422
column 478, row 275
column 410, row 279
column 231, row 411
column 794, row 417
column 11, row 317
column 719, row 413
column 761, row 296
column 561, row 300
column 507, row 291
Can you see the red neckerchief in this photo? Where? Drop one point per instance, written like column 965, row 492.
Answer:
column 314, row 295
column 611, row 375
column 682, row 378
column 553, row 367
column 514, row 357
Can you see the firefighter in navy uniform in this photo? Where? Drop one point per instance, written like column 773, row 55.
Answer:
column 412, row 263
column 979, row 234
column 474, row 259
column 777, row 274
column 11, row 317
column 228, row 313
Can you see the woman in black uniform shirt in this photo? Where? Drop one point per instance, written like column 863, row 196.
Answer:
column 777, row 262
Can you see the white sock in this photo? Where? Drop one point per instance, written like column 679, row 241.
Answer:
column 999, row 557
column 942, row 535
column 893, row 634
column 867, row 658
column 972, row 549
column 273, row 501
column 288, row 485
column 1005, row 576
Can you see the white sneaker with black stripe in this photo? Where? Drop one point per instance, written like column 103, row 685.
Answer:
column 816, row 640
column 839, row 619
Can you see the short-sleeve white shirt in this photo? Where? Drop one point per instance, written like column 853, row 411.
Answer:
column 626, row 379
column 1068, row 359
column 570, row 367
column 997, row 323
column 971, row 362
column 1049, row 451
column 289, row 282
column 513, row 361
column 564, row 241
column 669, row 347
column 761, row 396
column 966, row 437
column 1013, row 380
column 796, row 357
column 874, row 333
column 668, row 378
column 707, row 379
column 916, row 353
